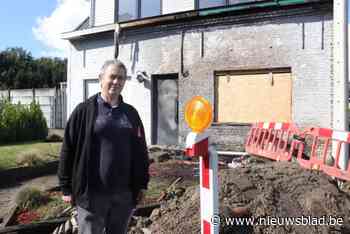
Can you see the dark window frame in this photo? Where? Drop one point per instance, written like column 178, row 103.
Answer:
column 139, row 4
column 154, row 102
column 117, row 6
column 138, row 10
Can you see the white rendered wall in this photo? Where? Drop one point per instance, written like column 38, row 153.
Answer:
column 96, row 52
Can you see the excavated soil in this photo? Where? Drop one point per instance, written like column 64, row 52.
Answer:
column 164, row 174
column 267, row 189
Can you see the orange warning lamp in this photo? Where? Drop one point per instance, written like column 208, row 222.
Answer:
column 198, row 114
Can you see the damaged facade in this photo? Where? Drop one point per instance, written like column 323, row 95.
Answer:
column 253, row 60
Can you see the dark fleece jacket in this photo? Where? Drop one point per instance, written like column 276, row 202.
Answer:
column 76, row 152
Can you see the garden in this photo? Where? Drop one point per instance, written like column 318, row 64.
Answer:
column 27, row 150
column 27, row 146
column 24, row 140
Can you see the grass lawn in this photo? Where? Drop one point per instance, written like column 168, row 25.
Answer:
column 45, row 150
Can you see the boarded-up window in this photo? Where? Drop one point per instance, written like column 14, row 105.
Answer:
column 248, row 98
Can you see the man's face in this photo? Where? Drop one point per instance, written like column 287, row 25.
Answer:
column 113, row 80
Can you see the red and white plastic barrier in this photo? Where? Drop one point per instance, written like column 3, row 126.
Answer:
column 197, row 146
column 282, row 141
column 325, row 140
column 274, row 140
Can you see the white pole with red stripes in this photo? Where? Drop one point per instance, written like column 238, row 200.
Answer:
column 197, row 145
column 199, row 115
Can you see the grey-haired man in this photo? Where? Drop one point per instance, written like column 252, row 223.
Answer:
column 104, row 161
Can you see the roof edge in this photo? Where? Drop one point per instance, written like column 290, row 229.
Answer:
column 81, row 31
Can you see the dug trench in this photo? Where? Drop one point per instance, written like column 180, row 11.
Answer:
column 260, row 190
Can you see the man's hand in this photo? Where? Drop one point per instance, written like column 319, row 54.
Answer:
column 67, row 198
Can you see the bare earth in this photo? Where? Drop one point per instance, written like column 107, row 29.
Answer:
column 266, row 189
column 275, row 189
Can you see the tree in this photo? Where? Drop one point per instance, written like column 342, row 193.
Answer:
column 18, row 70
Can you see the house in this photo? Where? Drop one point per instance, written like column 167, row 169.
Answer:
column 254, row 60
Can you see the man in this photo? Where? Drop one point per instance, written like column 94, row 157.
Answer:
column 103, row 166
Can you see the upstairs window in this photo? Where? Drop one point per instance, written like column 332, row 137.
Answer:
column 150, row 8
column 135, row 9
column 127, row 10
column 211, row 3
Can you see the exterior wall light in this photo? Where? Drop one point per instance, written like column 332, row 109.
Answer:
column 142, row 76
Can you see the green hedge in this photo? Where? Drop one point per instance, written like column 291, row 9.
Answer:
column 21, row 123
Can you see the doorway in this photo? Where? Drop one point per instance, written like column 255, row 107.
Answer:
column 165, row 109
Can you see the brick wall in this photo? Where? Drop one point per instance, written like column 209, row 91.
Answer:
column 299, row 39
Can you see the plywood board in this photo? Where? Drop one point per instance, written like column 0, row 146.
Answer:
column 254, row 97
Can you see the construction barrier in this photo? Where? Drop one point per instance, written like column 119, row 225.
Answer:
column 282, row 141
column 324, row 140
column 276, row 141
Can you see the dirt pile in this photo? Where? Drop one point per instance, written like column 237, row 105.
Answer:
column 269, row 189
column 158, row 153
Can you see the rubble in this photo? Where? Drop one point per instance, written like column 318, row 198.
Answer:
column 260, row 188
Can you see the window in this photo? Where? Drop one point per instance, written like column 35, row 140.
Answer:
column 92, row 86
column 211, row 3
column 135, row 9
column 253, row 96
column 150, row 8
column 127, row 10
column 243, row 1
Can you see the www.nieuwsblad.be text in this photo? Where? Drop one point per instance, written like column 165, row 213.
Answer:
column 278, row 221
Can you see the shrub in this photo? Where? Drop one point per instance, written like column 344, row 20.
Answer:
column 30, row 159
column 30, row 198
column 9, row 120
column 54, row 208
column 54, row 138
column 37, row 121
column 21, row 123
column 2, row 103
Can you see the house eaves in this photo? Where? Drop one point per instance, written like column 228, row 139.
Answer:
column 83, row 25
column 86, row 32
column 81, row 32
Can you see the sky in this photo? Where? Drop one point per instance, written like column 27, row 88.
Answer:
column 36, row 25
